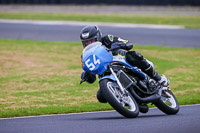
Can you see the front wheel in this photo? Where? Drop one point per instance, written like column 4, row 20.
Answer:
column 168, row 103
column 125, row 104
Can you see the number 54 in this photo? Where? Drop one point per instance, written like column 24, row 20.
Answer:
column 91, row 65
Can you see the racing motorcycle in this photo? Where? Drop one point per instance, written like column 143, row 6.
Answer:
column 125, row 87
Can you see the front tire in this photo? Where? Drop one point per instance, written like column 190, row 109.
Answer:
column 168, row 103
column 125, row 104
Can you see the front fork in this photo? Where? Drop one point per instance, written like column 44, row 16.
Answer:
column 165, row 91
column 122, row 89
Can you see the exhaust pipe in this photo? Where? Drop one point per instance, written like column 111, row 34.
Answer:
column 153, row 98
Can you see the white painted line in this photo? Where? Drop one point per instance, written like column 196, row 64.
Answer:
column 76, row 23
column 24, row 117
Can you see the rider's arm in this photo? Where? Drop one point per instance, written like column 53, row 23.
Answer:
column 108, row 40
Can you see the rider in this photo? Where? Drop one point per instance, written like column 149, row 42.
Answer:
column 90, row 34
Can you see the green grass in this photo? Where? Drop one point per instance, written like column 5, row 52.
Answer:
column 192, row 21
column 39, row 77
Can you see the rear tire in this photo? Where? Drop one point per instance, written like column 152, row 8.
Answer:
column 168, row 104
column 111, row 93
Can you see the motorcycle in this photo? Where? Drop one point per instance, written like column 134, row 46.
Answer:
column 126, row 88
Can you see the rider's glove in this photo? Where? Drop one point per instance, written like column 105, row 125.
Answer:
column 123, row 46
column 90, row 78
column 118, row 45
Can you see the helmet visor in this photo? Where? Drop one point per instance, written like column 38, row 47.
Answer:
column 88, row 42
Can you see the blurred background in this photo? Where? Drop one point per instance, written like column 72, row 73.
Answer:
column 89, row 2
column 109, row 6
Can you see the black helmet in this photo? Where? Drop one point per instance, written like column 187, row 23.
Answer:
column 90, row 34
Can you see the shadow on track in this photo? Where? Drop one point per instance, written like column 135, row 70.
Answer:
column 121, row 117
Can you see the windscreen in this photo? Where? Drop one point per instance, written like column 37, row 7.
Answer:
column 90, row 47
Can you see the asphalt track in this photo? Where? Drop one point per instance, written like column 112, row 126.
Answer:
column 186, row 121
column 188, row 38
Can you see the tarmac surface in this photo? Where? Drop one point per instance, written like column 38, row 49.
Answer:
column 174, row 37
column 186, row 121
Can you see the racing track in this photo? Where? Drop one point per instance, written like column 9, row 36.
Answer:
column 186, row 121
column 189, row 38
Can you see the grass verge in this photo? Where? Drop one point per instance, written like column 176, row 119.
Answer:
column 39, row 77
column 186, row 21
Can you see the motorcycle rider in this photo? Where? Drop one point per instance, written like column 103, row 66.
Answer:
column 90, row 34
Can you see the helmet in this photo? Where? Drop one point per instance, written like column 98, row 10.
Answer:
column 90, row 34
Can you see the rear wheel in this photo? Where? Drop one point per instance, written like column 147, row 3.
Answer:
column 125, row 104
column 168, row 103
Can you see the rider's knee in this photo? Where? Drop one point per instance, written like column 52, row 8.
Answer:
column 134, row 55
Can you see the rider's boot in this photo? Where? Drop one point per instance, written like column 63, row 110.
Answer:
column 159, row 78
column 164, row 81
